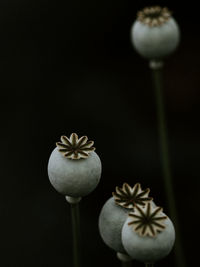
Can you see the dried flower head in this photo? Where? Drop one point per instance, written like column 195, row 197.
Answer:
column 74, row 147
column 147, row 221
column 154, row 16
column 129, row 197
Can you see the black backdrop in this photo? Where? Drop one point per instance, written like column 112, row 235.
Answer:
column 68, row 66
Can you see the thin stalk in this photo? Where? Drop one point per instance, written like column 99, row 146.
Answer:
column 76, row 234
column 126, row 263
column 166, row 168
column 125, row 259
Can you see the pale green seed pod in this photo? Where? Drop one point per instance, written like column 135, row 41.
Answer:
column 148, row 240
column 74, row 168
column 155, row 34
column 111, row 221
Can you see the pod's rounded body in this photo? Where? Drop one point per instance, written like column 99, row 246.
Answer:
column 146, row 248
column 74, row 178
column 155, row 42
column 111, row 221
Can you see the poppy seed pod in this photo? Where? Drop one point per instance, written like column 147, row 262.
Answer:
column 74, row 168
column 148, row 235
column 155, row 33
column 115, row 212
column 111, row 221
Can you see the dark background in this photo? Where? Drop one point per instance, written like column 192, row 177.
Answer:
column 69, row 66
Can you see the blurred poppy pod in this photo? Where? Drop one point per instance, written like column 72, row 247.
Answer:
column 155, row 33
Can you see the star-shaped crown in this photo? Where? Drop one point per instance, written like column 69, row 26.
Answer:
column 147, row 221
column 154, row 16
column 74, row 147
column 129, row 197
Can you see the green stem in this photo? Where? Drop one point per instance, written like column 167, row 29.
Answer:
column 166, row 169
column 125, row 259
column 76, row 234
column 126, row 263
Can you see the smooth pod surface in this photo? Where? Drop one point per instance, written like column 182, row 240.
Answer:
column 74, row 178
column 111, row 221
column 155, row 42
column 146, row 248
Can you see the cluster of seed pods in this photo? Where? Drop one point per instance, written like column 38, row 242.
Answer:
column 131, row 223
